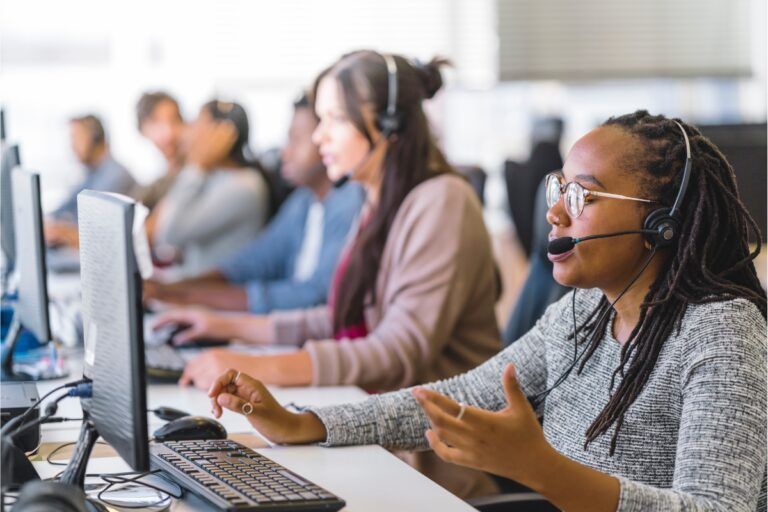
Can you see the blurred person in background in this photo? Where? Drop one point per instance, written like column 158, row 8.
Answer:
column 219, row 201
column 103, row 172
column 160, row 121
column 290, row 264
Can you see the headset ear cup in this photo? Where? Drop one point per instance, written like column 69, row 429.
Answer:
column 389, row 124
column 666, row 227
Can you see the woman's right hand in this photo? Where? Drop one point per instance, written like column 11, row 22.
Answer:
column 210, row 143
column 198, row 323
column 245, row 395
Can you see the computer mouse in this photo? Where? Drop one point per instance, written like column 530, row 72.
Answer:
column 168, row 332
column 169, row 413
column 191, row 428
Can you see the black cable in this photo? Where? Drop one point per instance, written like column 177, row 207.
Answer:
column 538, row 399
column 58, row 448
column 19, row 419
column 50, row 411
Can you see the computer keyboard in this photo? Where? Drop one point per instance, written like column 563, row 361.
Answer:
column 233, row 477
column 163, row 362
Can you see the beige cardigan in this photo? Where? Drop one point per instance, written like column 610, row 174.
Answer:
column 434, row 313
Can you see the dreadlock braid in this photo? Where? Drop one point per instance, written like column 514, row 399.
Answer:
column 710, row 262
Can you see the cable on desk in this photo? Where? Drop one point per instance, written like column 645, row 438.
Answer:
column 58, row 448
column 113, row 480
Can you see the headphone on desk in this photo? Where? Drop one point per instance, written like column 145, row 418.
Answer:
column 665, row 222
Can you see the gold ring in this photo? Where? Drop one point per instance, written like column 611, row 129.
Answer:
column 247, row 408
column 462, row 410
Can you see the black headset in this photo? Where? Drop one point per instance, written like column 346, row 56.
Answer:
column 390, row 121
column 665, row 222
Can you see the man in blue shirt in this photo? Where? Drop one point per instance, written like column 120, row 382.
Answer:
column 290, row 265
column 103, row 172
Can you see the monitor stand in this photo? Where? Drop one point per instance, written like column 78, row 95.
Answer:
column 74, row 474
column 7, row 366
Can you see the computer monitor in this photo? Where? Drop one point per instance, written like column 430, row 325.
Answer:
column 9, row 159
column 31, row 310
column 113, row 333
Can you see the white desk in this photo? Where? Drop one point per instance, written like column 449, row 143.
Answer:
column 368, row 478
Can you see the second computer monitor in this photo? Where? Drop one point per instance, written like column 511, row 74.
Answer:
column 9, row 159
column 112, row 324
column 32, row 305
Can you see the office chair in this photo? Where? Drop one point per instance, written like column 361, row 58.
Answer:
column 522, row 179
column 476, row 176
column 539, row 289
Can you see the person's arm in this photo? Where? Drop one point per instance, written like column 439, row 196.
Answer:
column 220, row 296
column 265, row 296
column 391, row 419
column 294, row 327
column 441, row 256
column 395, row 419
column 720, row 460
column 181, row 292
column 721, row 449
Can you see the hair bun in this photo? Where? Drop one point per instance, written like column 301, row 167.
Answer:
column 430, row 75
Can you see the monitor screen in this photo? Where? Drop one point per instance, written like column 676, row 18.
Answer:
column 32, row 306
column 8, row 160
column 112, row 324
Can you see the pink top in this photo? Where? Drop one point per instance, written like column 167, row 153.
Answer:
column 351, row 332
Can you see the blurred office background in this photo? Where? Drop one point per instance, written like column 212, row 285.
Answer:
column 517, row 62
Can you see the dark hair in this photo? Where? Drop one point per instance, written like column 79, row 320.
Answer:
column 149, row 101
column 302, row 101
column 235, row 113
column 412, row 157
column 241, row 153
column 94, row 126
column 711, row 261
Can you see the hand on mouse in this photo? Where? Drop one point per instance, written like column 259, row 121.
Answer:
column 245, row 395
column 201, row 324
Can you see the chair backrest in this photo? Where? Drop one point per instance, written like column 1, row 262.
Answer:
column 744, row 145
column 476, row 176
column 540, row 289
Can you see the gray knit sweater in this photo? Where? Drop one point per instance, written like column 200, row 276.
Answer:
column 695, row 438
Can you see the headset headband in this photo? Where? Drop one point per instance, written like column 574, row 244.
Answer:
column 686, row 173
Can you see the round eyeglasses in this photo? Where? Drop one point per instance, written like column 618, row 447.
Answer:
column 575, row 196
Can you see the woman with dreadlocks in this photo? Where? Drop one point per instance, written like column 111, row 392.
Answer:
column 650, row 375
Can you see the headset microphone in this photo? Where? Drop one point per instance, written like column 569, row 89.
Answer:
column 342, row 181
column 566, row 243
column 350, row 174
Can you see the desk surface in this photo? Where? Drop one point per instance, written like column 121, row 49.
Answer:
column 368, row 478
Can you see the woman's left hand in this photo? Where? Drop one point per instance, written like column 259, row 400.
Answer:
column 508, row 443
